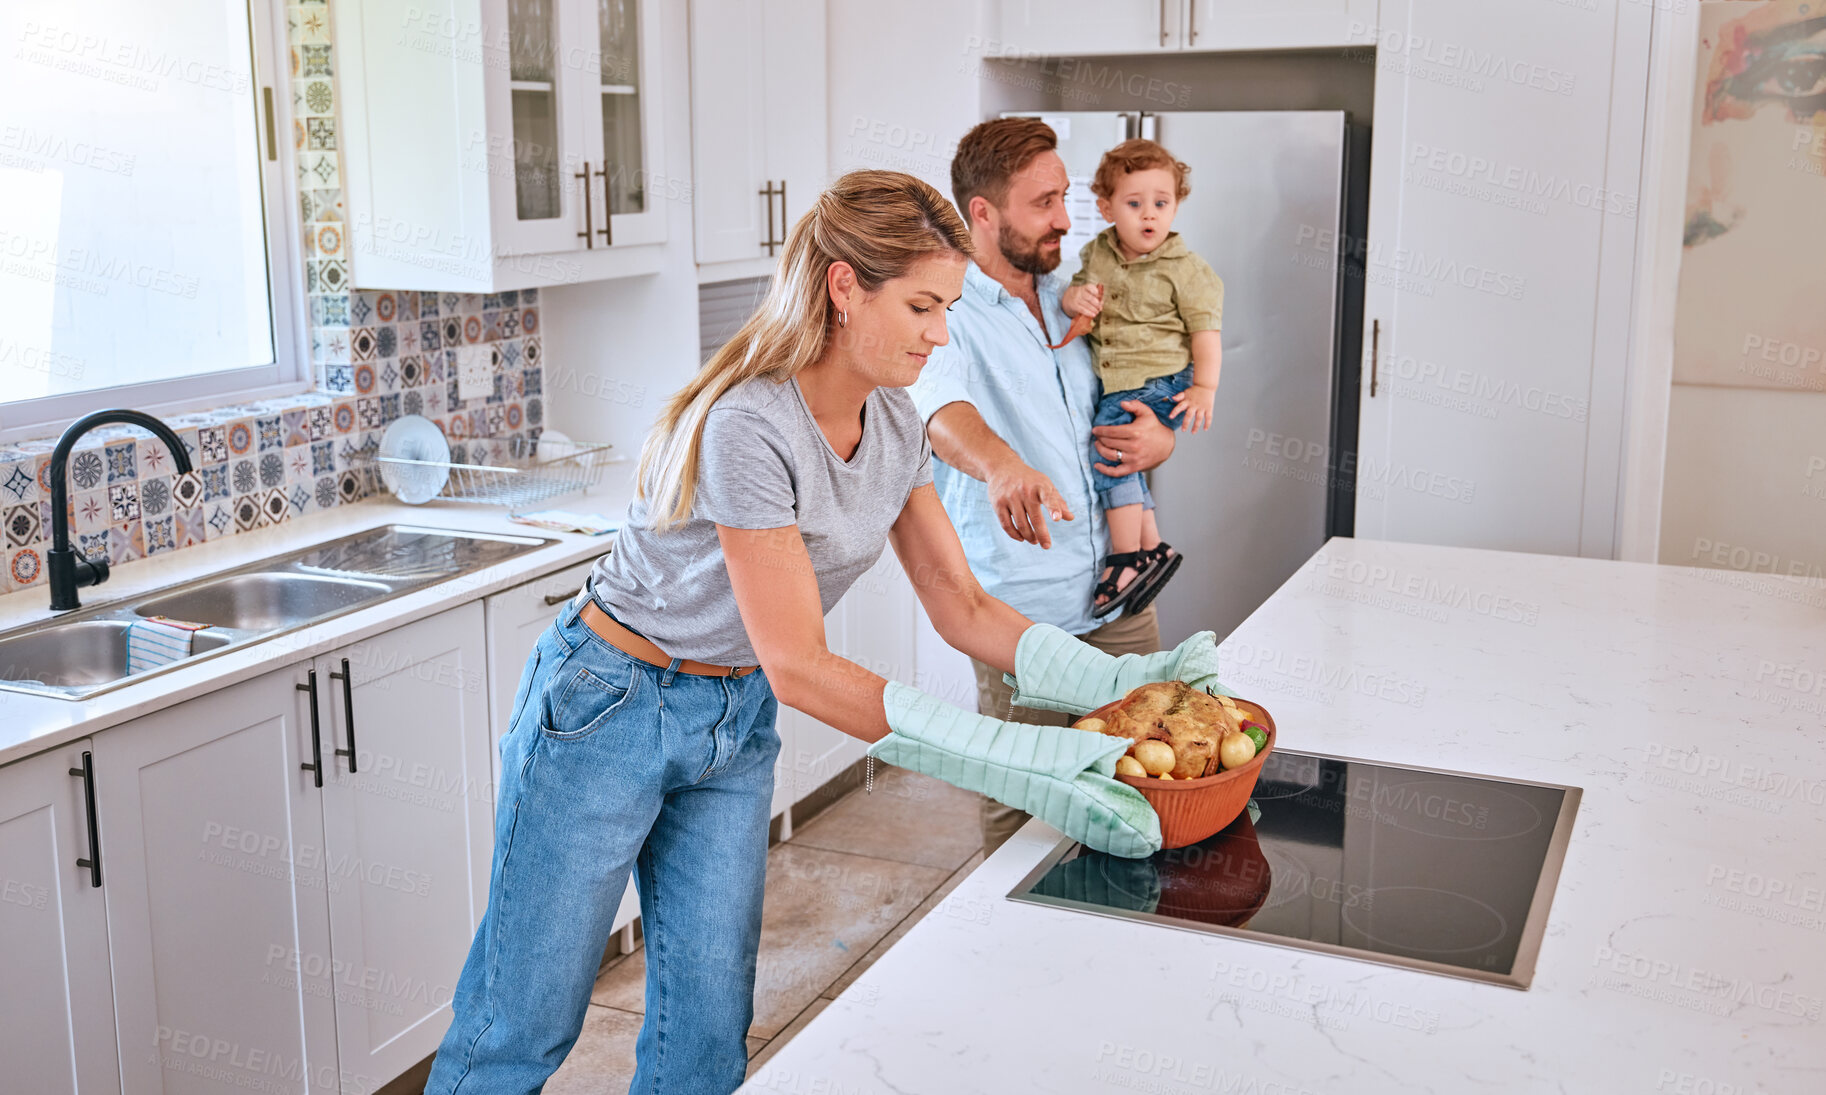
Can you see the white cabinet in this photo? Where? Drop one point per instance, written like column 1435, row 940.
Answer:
column 500, row 144
column 285, row 912
column 1080, row 27
column 408, row 826
column 1501, row 234
column 218, row 915
column 516, row 617
column 57, row 1007
column 758, row 139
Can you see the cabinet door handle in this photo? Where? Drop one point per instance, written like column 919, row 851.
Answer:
column 588, row 235
column 1375, row 353
column 607, row 231
column 784, row 223
column 348, row 710
column 555, row 599
column 316, row 765
column 1163, row 22
column 1192, row 23
column 87, row 774
column 767, row 195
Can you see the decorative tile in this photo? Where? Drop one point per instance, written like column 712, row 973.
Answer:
column 23, row 525
column 326, row 492
column 323, row 457
column 126, row 542
column 89, row 511
column 272, row 470
column 24, row 567
column 339, row 378
column 411, row 371
column 361, row 306
column 248, row 514
column 320, row 133
column 320, row 421
column 430, row 335
column 531, row 352
column 297, row 463
column 386, row 341
column 215, row 482
column 160, row 534
column 332, row 275
column 186, row 491
column 273, row 507
column 270, row 431
column 326, row 241
column 244, row 476
column 389, row 407
column 221, row 521
column 348, row 487
column 191, row 527
column 123, row 502
column 212, row 443
column 241, row 437
column 343, row 412
column 362, row 345
column 94, row 545
column 330, row 309
column 295, row 424
column 87, row 469
column 326, row 206
column 155, row 496
column 18, row 481
column 412, row 402
column 298, row 499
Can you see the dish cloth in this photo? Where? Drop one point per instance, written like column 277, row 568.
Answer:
column 156, row 641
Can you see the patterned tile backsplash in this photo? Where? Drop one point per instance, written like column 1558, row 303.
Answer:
column 376, row 354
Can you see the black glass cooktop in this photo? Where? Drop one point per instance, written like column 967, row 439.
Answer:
column 1437, row 871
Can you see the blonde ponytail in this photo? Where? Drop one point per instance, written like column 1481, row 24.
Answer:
column 879, row 222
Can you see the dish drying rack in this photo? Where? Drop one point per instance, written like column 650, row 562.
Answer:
column 525, row 472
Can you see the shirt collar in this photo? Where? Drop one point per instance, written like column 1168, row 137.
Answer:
column 995, row 292
column 1170, row 248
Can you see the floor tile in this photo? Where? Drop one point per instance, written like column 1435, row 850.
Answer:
column 792, row 1030
column 603, row 1058
column 822, row 909
column 908, row 817
column 875, row 952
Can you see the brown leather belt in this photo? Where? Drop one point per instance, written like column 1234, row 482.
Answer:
column 610, row 631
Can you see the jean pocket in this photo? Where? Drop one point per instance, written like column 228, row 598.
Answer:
column 528, row 677
column 589, row 701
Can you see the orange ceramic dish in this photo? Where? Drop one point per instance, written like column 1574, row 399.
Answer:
column 1192, row 809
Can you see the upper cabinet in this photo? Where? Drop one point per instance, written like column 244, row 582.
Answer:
column 759, row 151
column 1047, row 27
column 500, row 144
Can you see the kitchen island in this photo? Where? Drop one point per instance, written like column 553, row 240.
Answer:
column 1685, row 951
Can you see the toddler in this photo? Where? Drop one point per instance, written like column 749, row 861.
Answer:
column 1149, row 306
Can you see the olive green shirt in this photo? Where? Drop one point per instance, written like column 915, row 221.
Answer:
column 1151, row 308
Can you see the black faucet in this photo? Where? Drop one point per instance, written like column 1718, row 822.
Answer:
column 65, row 567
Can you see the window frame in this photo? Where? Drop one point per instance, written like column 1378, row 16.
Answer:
column 291, row 371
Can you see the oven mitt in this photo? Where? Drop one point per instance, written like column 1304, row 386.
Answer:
column 1056, row 671
column 1060, row 775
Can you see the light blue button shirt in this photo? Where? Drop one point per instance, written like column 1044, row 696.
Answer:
column 1041, row 402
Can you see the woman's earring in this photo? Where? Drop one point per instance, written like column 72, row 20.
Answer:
column 843, row 319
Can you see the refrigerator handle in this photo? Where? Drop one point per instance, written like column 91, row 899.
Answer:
column 1375, row 353
column 1143, row 125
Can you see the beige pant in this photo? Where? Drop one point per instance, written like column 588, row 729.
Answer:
column 1139, row 634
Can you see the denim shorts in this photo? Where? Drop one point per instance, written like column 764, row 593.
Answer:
column 1157, row 393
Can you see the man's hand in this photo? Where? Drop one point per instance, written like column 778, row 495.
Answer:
column 1133, row 446
column 1022, row 498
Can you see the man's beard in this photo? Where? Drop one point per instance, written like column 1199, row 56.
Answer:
column 1028, row 256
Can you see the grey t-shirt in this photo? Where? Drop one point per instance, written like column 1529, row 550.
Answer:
column 763, row 463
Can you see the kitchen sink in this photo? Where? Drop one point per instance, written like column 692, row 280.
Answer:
column 263, row 601
column 85, row 652
column 82, row 654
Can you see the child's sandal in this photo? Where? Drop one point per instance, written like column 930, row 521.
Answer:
column 1109, row 596
column 1162, row 561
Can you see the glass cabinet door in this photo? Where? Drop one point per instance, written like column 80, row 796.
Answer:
column 535, row 167
column 532, row 29
column 618, row 23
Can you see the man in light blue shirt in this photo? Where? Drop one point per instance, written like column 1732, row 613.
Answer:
column 1008, row 416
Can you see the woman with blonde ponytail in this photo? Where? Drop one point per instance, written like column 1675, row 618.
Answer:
column 642, row 735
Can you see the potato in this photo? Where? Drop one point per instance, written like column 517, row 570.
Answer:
column 1129, row 766
column 1155, row 756
column 1166, row 775
column 1236, row 750
column 1095, row 726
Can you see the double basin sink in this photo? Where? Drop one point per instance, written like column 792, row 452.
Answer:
column 85, row 652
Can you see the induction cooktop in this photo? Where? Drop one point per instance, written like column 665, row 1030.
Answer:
column 1430, row 870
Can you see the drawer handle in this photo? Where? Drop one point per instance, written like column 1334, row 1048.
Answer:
column 556, row 599
column 348, row 710
column 316, row 765
column 589, row 224
column 87, row 774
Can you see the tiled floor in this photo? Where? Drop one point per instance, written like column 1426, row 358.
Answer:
column 842, row 891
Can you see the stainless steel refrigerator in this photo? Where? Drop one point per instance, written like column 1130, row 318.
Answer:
column 1276, row 198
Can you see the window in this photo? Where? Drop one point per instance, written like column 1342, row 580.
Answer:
column 147, row 251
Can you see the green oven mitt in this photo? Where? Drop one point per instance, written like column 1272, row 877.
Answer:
column 1056, row 671
column 1060, row 775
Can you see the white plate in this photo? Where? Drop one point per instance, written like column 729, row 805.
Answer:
column 415, row 437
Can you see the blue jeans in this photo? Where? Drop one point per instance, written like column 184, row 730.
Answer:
column 611, row 764
column 1158, row 393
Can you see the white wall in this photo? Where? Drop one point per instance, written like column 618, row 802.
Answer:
column 614, row 350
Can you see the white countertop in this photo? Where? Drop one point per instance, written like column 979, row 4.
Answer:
column 1686, row 947
column 32, row 723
